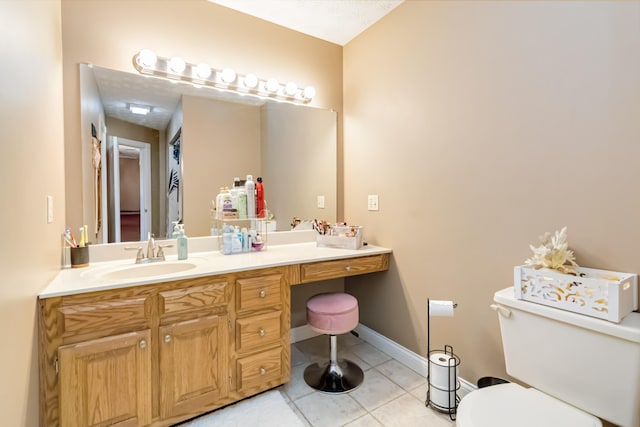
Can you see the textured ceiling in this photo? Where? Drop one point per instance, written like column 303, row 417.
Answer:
column 337, row 21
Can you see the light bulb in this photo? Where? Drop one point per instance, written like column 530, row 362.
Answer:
column 291, row 88
column 177, row 65
column 272, row 85
column 309, row 92
column 251, row 81
column 228, row 75
column 203, row 71
column 147, row 58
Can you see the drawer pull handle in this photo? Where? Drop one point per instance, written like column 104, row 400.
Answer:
column 143, row 344
column 262, row 293
column 263, row 371
column 262, row 332
column 348, row 268
column 167, row 338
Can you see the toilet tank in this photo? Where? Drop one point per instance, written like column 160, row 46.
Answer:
column 590, row 363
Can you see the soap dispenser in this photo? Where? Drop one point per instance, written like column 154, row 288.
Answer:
column 176, row 230
column 183, row 247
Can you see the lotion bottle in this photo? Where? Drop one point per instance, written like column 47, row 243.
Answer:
column 183, row 247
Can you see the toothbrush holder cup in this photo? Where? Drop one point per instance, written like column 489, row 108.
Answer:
column 80, row 257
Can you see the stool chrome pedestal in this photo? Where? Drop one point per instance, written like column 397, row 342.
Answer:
column 335, row 376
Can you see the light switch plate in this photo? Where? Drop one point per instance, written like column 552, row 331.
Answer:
column 320, row 202
column 372, row 202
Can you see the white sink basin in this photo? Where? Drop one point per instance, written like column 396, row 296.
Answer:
column 138, row 271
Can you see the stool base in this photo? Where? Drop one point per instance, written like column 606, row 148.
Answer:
column 339, row 377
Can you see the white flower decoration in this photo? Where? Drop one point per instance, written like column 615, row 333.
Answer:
column 553, row 253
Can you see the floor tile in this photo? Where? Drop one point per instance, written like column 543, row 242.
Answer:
column 407, row 411
column 298, row 357
column 296, row 387
column 376, row 390
column 366, row 421
column 325, row 410
column 406, row 378
column 370, row 354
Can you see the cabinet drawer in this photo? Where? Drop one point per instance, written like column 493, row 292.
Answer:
column 193, row 298
column 324, row 270
column 260, row 369
column 259, row 292
column 100, row 315
column 256, row 331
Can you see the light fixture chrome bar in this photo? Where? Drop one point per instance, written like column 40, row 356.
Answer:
column 176, row 69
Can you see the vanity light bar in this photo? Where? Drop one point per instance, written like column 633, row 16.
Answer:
column 148, row 63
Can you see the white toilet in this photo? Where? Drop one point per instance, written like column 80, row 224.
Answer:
column 580, row 368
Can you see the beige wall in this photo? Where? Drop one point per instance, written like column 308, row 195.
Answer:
column 220, row 141
column 482, row 125
column 32, row 168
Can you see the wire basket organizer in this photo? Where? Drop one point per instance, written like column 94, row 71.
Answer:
column 442, row 390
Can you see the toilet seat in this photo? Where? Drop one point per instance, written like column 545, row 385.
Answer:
column 509, row 405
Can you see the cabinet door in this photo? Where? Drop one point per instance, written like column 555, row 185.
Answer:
column 106, row 381
column 193, row 365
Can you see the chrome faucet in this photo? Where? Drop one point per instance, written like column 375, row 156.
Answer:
column 152, row 255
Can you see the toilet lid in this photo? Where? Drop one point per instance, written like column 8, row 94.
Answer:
column 509, row 405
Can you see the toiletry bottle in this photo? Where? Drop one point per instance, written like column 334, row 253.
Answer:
column 236, row 241
column 234, row 193
column 245, row 239
column 219, row 203
column 227, row 237
column 176, row 230
column 250, row 187
column 227, row 206
column 260, row 198
column 242, row 201
column 183, row 247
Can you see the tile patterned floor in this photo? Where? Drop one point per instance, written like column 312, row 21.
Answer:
column 391, row 395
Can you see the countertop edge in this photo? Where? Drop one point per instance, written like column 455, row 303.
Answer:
column 71, row 281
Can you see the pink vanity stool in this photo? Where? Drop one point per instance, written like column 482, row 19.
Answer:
column 333, row 314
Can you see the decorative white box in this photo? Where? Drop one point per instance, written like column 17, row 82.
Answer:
column 608, row 295
column 341, row 237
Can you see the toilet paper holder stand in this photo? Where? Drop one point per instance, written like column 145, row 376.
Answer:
column 452, row 363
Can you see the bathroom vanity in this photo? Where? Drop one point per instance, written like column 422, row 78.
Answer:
column 120, row 347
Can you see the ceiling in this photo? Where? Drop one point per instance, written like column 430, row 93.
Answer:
column 336, row 21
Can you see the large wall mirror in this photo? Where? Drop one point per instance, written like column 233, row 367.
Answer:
column 140, row 170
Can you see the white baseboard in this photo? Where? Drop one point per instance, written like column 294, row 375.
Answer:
column 384, row 344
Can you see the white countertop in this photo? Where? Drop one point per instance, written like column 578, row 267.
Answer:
column 81, row 280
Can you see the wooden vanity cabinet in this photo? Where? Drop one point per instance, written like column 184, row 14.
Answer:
column 262, row 327
column 162, row 353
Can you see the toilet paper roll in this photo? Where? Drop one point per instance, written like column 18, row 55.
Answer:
column 441, row 308
column 443, row 379
column 443, row 371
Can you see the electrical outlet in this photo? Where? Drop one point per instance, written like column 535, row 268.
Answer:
column 320, row 202
column 49, row 209
column 372, row 202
